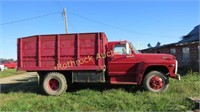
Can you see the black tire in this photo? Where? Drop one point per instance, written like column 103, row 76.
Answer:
column 54, row 83
column 156, row 82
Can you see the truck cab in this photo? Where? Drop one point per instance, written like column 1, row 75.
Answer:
column 128, row 66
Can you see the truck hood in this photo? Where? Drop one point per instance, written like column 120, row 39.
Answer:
column 148, row 56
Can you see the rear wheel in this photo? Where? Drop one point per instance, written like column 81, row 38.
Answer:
column 54, row 83
column 155, row 81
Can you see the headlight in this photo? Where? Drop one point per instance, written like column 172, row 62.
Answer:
column 176, row 67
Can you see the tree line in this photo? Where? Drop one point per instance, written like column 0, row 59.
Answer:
column 3, row 60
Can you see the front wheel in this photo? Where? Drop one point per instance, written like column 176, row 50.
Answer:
column 54, row 83
column 156, row 82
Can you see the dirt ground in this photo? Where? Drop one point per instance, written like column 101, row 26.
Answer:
column 17, row 79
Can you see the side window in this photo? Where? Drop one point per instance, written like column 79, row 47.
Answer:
column 186, row 54
column 120, row 49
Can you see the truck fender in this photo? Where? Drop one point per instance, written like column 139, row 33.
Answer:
column 140, row 72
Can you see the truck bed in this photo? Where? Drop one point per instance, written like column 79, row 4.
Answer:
column 61, row 52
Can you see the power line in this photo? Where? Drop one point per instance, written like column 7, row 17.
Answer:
column 88, row 19
column 115, row 27
column 22, row 20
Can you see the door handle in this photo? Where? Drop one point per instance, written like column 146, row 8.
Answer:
column 129, row 56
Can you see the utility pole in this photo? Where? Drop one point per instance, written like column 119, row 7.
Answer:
column 65, row 19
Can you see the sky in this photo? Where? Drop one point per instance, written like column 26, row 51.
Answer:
column 140, row 22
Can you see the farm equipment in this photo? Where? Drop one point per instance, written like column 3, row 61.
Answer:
column 10, row 65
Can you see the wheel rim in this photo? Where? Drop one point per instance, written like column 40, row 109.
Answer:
column 156, row 83
column 54, row 84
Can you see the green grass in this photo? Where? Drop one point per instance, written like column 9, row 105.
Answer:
column 28, row 97
column 9, row 72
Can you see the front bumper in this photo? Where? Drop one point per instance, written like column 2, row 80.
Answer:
column 178, row 77
column 176, row 67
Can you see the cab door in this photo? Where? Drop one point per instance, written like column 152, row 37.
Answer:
column 122, row 67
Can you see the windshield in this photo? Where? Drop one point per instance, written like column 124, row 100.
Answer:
column 136, row 51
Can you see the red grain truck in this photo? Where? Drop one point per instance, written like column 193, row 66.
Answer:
column 63, row 59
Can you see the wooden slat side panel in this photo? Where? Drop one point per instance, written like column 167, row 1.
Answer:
column 19, row 52
column 58, row 49
column 29, row 51
column 48, row 51
column 39, row 51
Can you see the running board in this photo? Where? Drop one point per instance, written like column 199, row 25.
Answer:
column 125, row 83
